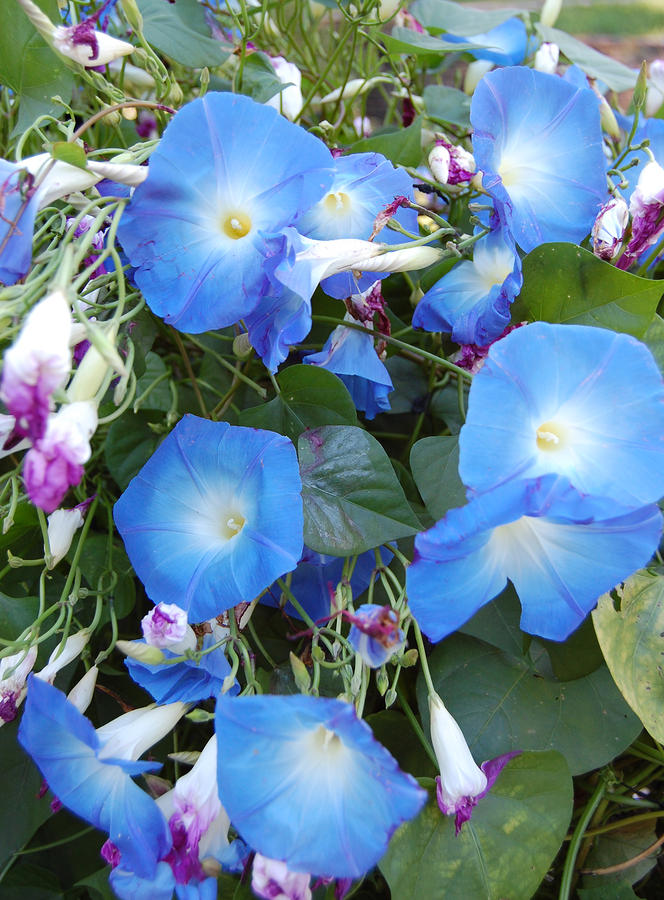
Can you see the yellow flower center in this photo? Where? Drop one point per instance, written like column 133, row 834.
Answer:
column 232, row 525
column 236, row 225
column 551, row 436
column 337, row 204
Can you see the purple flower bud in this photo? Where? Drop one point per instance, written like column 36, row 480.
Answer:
column 272, row 880
column 165, row 625
column 89, row 47
column 36, row 364
column 375, row 634
column 12, row 688
column 647, row 210
column 450, row 163
column 55, row 462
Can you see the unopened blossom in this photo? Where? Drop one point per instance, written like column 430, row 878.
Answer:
column 62, row 526
column 55, row 462
column 405, row 19
column 609, row 228
column 646, row 208
column 37, row 364
column 375, row 634
column 12, row 687
column 288, row 101
column 450, row 163
column 81, row 694
column 461, row 783
column 550, row 12
column 64, row 654
column 655, row 95
column 10, row 439
column 87, row 46
column 546, row 58
column 271, row 879
column 475, row 72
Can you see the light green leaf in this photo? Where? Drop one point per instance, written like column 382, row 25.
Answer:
column 654, row 339
column 503, row 703
column 447, row 105
column 564, row 283
column 259, row 80
column 310, row 396
column 352, row 498
column 402, row 147
column 179, row 30
column 70, row 153
column 631, row 640
column 28, row 65
column 414, row 43
column 443, row 15
column 434, row 462
column 503, row 852
column 614, row 74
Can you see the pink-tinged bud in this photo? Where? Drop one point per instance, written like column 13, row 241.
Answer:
column 646, row 208
column 362, row 126
column 166, row 626
column 472, row 356
column 609, row 228
column 55, row 462
column 37, row 364
column 404, row 19
column 12, row 688
column 546, row 58
column 289, row 101
column 62, row 526
column 11, row 441
column 63, row 655
column 272, row 880
column 89, row 47
column 451, row 164
column 475, row 72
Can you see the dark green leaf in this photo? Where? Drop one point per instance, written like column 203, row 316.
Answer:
column 310, row 396
column 97, row 885
column 434, row 462
column 618, row 847
column 579, row 655
column 631, row 640
column 159, row 396
column 259, row 80
column 443, row 15
column 402, row 147
column 564, row 283
column 94, row 561
column 503, row 852
column 614, row 890
column 497, row 623
column 16, row 614
column 21, row 813
column 28, row 65
column 503, row 703
column 129, row 445
column 352, row 498
column 614, row 74
column 180, row 31
column 447, row 105
column 391, row 728
column 654, row 338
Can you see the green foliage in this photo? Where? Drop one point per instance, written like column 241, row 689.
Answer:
column 567, row 284
column 310, row 396
column 443, row 15
column 505, row 703
column 259, row 79
column 614, row 74
column 403, row 147
column 28, row 65
column 180, row 31
column 447, row 105
column 434, row 462
column 505, row 849
column 352, row 498
column 631, row 640
column 129, row 444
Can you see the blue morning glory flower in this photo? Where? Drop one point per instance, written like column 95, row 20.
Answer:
column 90, row 770
column 472, row 301
column 538, row 141
column 560, row 549
column 18, row 208
column 581, row 402
column 314, row 581
column 214, row 516
column 226, row 170
column 304, row 781
column 504, row 45
column 375, row 634
column 350, row 354
column 364, row 185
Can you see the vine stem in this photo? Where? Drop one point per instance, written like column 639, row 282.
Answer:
column 577, row 838
column 423, row 658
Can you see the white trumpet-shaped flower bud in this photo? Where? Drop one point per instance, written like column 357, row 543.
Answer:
column 143, row 653
column 12, row 687
column 655, row 95
column 546, row 58
column 550, row 11
column 461, row 780
column 89, row 47
column 62, row 526
column 609, row 228
column 289, row 101
column 475, row 72
column 83, row 691
column 57, row 179
column 130, row 735
column 62, row 656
